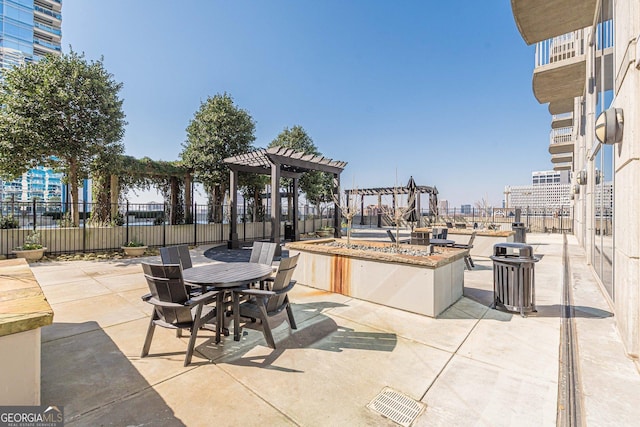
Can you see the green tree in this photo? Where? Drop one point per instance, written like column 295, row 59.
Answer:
column 219, row 129
column 317, row 186
column 63, row 112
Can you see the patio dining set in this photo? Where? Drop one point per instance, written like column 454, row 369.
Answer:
column 203, row 296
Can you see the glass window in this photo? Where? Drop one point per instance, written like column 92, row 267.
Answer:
column 19, row 14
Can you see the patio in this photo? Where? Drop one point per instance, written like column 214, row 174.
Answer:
column 470, row 366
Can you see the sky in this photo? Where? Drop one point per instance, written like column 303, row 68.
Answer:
column 440, row 91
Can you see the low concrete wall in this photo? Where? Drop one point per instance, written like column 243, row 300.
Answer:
column 423, row 285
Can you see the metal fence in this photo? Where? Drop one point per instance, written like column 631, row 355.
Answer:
column 539, row 220
column 144, row 223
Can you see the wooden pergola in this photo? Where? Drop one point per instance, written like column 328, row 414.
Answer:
column 279, row 162
column 394, row 191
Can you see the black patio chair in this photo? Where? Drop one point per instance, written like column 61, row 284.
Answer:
column 266, row 304
column 173, row 308
column 176, row 255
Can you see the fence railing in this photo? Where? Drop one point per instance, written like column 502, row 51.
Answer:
column 539, row 219
column 144, row 223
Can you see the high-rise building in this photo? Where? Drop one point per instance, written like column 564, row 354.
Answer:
column 29, row 30
column 587, row 69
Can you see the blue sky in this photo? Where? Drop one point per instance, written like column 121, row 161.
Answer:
column 437, row 90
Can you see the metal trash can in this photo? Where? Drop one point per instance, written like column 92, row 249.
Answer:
column 514, row 277
column 521, row 232
column 288, row 231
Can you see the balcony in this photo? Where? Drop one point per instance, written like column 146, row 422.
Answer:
column 560, row 64
column 562, row 120
column 539, row 20
column 47, row 31
column 561, row 140
column 47, row 13
column 563, row 166
column 562, row 158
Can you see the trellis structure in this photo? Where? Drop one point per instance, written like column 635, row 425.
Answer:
column 151, row 171
column 394, row 191
column 279, row 162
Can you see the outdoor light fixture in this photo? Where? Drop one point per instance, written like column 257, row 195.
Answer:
column 581, row 177
column 576, row 189
column 609, row 126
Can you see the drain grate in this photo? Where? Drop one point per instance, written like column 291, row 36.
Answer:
column 396, row 406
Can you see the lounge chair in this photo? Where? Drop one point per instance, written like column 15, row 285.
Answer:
column 393, row 238
column 172, row 306
column 467, row 259
column 265, row 304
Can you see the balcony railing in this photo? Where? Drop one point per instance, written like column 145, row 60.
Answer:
column 563, row 116
column 572, row 44
column 560, row 48
column 47, row 12
column 47, row 28
column 604, row 35
column 561, row 135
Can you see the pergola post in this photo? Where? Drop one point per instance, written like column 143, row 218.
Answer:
column 379, row 210
column 188, row 213
column 362, row 209
column 296, row 233
column 174, row 201
column 337, row 233
column 114, row 196
column 418, row 211
column 275, row 202
column 233, row 242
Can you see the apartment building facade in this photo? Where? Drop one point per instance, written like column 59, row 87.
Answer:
column 29, row 30
column 587, row 61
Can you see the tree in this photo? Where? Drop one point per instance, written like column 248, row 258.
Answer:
column 317, row 186
column 63, row 112
column 218, row 130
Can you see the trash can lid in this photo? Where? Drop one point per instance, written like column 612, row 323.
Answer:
column 514, row 250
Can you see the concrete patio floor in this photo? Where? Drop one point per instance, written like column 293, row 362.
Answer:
column 470, row 366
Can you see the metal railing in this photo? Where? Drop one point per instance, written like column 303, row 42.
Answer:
column 145, row 223
column 570, row 45
column 561, row 135
column 560, row 48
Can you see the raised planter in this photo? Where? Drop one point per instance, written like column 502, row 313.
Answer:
column 426, row 285
column 31, row 254
column 134, row 250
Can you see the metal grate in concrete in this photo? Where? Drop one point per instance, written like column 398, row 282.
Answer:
column 396, row 406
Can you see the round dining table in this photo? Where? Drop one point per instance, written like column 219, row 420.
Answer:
column 224, row 277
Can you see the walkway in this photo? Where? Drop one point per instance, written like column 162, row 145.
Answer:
column 471, row 366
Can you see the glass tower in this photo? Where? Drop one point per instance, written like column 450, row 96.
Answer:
column 29, row 30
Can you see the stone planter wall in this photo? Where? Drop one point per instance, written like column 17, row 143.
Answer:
column 423, row 285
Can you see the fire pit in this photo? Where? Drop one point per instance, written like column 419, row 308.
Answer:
column 406, row 277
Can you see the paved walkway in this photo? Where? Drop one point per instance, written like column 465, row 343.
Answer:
column 470, row 366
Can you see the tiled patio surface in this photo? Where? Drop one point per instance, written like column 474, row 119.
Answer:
column 470, row 366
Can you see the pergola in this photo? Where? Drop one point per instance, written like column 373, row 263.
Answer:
column 279, row 162
column 393, row 191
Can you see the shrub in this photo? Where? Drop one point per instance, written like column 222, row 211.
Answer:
column 9, row 221
column 31, row 242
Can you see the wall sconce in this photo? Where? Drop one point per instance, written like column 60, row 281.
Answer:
column 581, row 177
column 609, row 126
column 576, row 189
